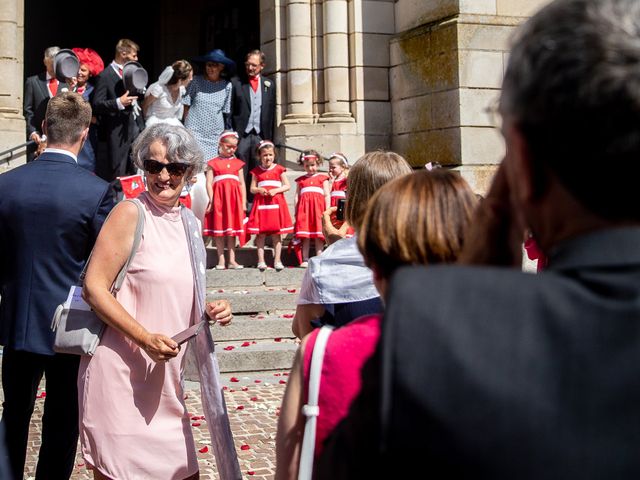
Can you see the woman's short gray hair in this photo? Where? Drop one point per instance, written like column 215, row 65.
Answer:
column 180, row 144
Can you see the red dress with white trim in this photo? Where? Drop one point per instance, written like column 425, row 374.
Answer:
column 338, row 190
column 311, row 204
column 269, row 214
column 227, row 216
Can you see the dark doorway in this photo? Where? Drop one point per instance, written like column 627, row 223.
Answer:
column 166, row 30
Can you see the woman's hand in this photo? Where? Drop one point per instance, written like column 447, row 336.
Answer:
column 159, row 347
column 219, row 311
column 331, row 233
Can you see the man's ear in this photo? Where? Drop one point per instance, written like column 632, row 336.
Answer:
column 44, row 127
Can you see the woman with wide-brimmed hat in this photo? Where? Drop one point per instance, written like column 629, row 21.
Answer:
column 207, row 111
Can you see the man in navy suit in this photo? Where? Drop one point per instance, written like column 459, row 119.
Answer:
column 38, row 89
column 51, row 211
column 253, row 110
column 119, row 116
column 484, row 371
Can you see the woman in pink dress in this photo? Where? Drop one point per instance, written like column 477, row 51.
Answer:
column 133, row 420
column 412, row 220
column 227, row 199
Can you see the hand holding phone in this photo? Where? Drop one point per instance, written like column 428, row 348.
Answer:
column 189, row 333
column 340, row 210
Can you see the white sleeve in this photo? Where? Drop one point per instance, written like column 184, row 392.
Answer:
column 154, row 89
column 308, row 290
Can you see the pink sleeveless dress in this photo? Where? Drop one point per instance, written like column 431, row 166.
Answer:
column 133, row 421
column 348, row 348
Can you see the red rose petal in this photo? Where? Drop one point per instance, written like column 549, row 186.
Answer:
column 231, row 390
column 195, row 424
column 254, row 399
column 245, row 344
column 260, row 317
column 81, row 464
column 251, row 472
column 230, row 347
column 291, row 290
column 287, row 315
column 257, row 381
column 277, row 339
column 234, row 379
column 277, row 374
column 204, row 449
column 253, row 342
column 220, row 290
column 245, row 447
column 240, row 407
column 286, row 374
column 282, row 382
column 277, row 412
column 244, row 389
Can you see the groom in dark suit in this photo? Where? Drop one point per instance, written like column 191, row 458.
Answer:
column 51, row 211
column 484, row 371
column 38, row 89
column 119, row 116
column 253, row 109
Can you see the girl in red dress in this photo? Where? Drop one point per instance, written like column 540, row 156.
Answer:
column 338, row 170
column 270, row 214
column 312, row 198
column 227, row 199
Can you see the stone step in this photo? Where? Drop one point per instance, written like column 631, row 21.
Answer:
column 248, row 255
column 259, row 355
column 254, row 327
column 252, row 277
column 247, row 300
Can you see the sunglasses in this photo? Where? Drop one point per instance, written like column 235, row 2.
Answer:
column 175, row 169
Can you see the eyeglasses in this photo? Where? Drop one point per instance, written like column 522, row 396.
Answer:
column 175, row 169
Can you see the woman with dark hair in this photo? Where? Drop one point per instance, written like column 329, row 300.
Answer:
column 163, row 99
column 417, row 219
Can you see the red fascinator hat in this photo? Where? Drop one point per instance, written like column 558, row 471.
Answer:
column 90, row 58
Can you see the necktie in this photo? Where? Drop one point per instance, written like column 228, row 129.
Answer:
column 120, row 71
column 53, row 86
column 254, row 81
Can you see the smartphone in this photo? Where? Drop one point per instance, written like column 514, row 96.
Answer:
column 340, row 210
column 189, row 333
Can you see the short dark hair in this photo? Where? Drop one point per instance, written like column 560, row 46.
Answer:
column 572, row 88
column 68, row 114
column 260, row 53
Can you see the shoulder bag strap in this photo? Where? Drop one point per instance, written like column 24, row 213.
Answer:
column 311, row 410
column 134, row 248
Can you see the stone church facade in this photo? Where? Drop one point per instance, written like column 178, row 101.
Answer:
column 415, row 76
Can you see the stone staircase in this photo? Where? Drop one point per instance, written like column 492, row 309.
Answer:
column 259, row 338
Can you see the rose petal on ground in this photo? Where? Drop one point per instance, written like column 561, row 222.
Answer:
column 277, row 339
column 286, row 374
column 245, row 344
column 291, row 290
column 244, row 389
column 196, row 424
column 257, row 381
column 240, row 407
column 254, row 399
column 220, row 290
column 225, row 388
column 245, row 447
column 231, row 390
column 228, row 348
column 251, row 472
column 260, row 317
column 234, row 379
column 204, row 449
column 277, row 374
column 282, row 382
column 287, row 315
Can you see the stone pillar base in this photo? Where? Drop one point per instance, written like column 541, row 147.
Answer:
column 298, row 118
column 336, row 117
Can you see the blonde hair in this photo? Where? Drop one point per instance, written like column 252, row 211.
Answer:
column 369, row 173
column 418, row 219
column 125, row 45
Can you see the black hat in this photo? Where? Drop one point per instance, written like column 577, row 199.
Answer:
column 65, row 65
column 216, row 56
column 135, row 78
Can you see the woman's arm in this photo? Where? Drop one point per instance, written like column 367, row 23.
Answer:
column 110, row 253
column 326, row 186
column 301, row 324
column 296, row 199
column 291, row 422
column 146, row 103
column 331, row 233
column 243, row 189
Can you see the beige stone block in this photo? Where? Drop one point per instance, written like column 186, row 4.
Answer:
column 377, row 118
column 299, row 53
column 266, row 5
column 355, row 16
column 479, row 177
column 412, row 114
column 412, row 13
column 481, row 146
column 484, row 37
column 336, row 85
column 300, row 81
column 445, row 109
column 11, row 84
column 424, row 42
column 356, row 83
column 375, row 50
column 375, row 83
column 356, row 49
column 267, row 26
column 9, row 10
column 336, row 50
column 418, row 148
column 376, row 142
column 8, row 40
column 519, row 8
column 378, row 17
column 335, row 16
column 478, row 7
column 427, row 75
column 481, row 69
column 298, row 19
column 475, row 106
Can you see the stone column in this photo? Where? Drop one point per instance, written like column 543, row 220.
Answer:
column 336, row 61
column 299, row 76
column 12, row 128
